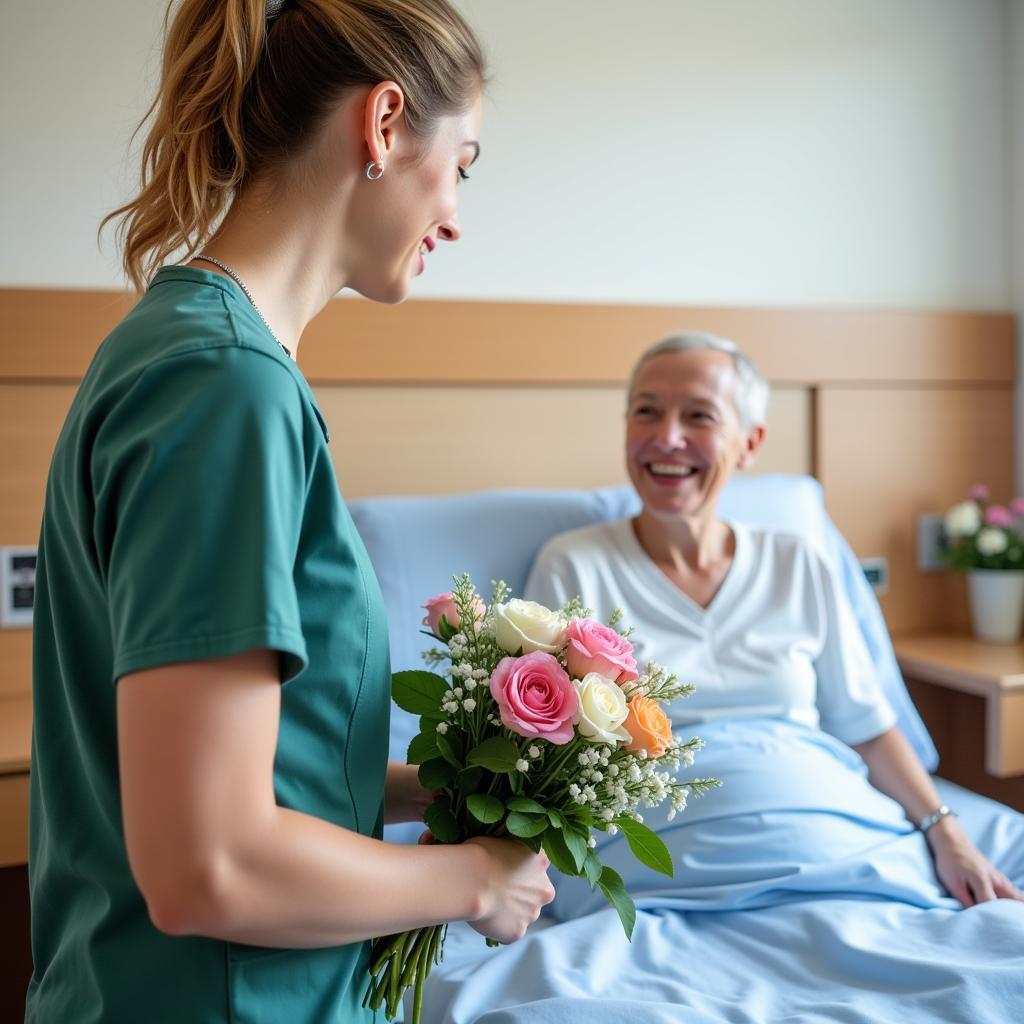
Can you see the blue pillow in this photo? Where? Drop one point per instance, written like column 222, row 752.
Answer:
column 417, row 544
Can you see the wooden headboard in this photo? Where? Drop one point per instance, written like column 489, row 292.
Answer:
column 895, row 412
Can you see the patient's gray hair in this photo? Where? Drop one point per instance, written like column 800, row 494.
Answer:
column 752, row 390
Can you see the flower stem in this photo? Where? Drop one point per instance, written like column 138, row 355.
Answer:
column 424, row 959
column 394, row 987
column 422, row 939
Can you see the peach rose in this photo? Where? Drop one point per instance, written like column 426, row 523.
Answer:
column 649, row 727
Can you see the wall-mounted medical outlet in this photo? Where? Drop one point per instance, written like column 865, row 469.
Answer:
column 18, row 585
column 876, row 572
column 931, row 540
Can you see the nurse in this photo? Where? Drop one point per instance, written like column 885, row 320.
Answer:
column 754, row 617
column 211, row 679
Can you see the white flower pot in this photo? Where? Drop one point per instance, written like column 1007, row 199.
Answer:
column 996, row 598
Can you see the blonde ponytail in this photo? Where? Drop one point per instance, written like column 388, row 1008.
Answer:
column 238, row 95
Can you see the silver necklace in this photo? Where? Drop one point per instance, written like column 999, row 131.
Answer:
column 248, row 294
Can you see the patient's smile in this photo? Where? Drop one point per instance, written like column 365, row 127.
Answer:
column 670, row 469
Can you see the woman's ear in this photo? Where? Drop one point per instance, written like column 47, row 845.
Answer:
column 385, row 104
column 754, row 440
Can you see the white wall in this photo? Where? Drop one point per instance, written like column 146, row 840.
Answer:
column 735, row 151
column 75, row 78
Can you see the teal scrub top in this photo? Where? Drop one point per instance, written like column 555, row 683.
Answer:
column 192, row 512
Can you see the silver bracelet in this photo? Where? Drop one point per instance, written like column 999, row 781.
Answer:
column 942, row 811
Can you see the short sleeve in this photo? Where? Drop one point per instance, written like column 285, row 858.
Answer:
column 850, row 699
column 199, row 475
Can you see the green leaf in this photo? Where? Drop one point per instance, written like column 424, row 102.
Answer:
column 556, row 818
column 576, row 841
column 485, row 808
column 647, row 846
column 418, row 692
column 592, row 868
column 440, row 820
column 435, row 774
column 422, row 748
column 614, row 890
column 469, row 779
column 525, row 825
column 446, row 629
column 496, row 755
column 558, row 853
column 450, row 749
column 526, row 805
column 580, row 816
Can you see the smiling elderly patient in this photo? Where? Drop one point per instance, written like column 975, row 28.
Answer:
column 757, row 620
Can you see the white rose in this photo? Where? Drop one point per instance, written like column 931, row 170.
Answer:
column 603, row 709
column 528, row 626
column 963, row 520
column 991, row 541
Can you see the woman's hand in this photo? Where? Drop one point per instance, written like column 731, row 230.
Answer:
column 963, row 869
column 404, row 798
column 517, row 888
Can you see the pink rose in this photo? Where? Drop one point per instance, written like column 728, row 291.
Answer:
column 442, row 606
column 535, row 696
column 998, row 515
column 1017, row 508
column 596, row 648
column 978, row 492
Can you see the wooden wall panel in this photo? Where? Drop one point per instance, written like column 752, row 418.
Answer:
column 356, row 341
column 48, row 334
column 31, row 416
column 593, row 344
column 913, row 406
column 885, row 456
column 441, row 440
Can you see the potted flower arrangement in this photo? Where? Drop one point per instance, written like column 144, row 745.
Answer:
column 986, row 541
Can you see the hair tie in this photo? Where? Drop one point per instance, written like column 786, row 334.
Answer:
column 274, row 8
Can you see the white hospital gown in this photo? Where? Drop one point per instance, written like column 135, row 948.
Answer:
column 778, row 640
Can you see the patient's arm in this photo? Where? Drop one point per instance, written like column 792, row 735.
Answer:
column 894, row 768
column 404, row 798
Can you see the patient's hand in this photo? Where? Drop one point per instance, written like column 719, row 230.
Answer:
column 404, row 798
column 963, row 869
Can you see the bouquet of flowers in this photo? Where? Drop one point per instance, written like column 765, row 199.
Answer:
column 982, row 535
column 543, row 728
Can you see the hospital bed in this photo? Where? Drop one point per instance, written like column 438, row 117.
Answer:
column 791, row 935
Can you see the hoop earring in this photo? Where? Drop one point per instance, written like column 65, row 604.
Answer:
column 370, row 170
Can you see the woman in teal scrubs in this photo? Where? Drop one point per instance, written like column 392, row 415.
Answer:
column 211, row 679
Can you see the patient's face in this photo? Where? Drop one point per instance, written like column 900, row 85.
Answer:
column 683, row 433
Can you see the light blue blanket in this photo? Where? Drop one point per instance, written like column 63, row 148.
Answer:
column 801, row 894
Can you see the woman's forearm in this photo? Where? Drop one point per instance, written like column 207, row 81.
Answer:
column 299, row 881
column 213, row 853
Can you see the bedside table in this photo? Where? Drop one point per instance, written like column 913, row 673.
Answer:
column 971, row 696
column 15, row 753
